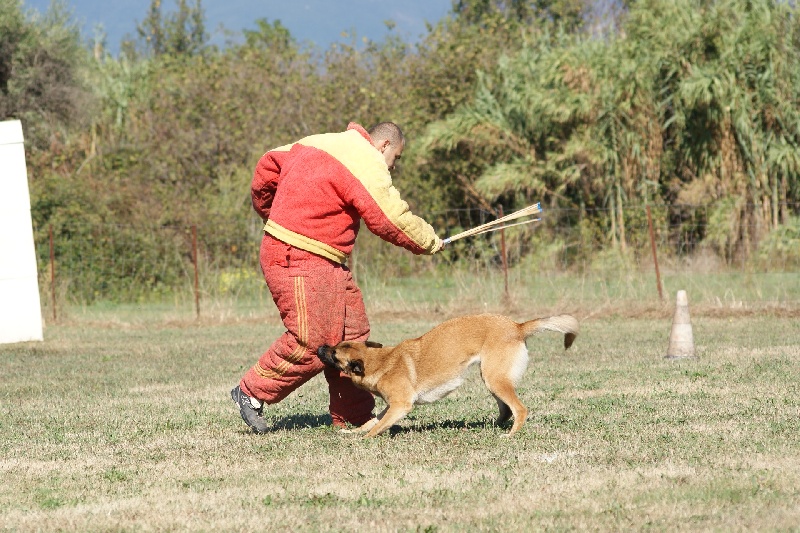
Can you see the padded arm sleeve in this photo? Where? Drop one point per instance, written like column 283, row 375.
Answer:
column 265, row 180
column 389, row 217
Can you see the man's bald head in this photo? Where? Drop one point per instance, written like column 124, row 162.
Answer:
column 388, row 138
column 387, row 131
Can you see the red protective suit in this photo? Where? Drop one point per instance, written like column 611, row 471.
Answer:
column 312, row 195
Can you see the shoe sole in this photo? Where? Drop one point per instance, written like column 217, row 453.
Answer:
column 238, row 392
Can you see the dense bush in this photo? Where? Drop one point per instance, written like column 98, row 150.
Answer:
column 589, row 111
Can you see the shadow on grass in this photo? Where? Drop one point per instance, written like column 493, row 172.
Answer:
column 301, row 421
column 294, row 422
column 310, row 421
column 462, row 425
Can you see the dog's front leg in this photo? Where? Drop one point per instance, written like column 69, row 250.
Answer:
column 392, row 414
column 366, row 426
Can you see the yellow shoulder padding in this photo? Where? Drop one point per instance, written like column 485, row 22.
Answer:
column 368, row 166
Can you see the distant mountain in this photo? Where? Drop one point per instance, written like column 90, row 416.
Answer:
column 321, row 22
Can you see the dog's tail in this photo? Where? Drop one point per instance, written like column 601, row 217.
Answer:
column 566, row 324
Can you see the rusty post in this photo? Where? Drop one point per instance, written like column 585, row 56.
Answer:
column 503, row 251
column 196, row 278
column 53, row 273
column 655, row 257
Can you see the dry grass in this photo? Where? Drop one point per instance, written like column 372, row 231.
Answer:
column 120, row 424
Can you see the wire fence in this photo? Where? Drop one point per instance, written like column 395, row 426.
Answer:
column 82, row 264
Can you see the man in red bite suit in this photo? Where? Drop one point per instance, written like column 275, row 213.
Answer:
column 312, row 195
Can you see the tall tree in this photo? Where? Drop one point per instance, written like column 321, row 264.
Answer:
column 691, row 102
column 41, row 58
column 181, row 33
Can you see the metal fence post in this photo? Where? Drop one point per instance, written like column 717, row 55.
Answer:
column 52, row 273
column 655, row 257
column 503, row 251
column 196, row 277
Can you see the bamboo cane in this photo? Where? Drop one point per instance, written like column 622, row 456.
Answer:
column 495, row 225
column 487, row 230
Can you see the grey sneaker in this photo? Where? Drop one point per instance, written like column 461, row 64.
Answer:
column 250, row 414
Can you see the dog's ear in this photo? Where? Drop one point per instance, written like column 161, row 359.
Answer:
column 356, row 367
column 371, row 344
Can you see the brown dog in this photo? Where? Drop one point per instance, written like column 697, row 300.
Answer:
column 427, row 368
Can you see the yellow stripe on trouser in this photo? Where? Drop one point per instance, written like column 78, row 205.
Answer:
column 302, row 332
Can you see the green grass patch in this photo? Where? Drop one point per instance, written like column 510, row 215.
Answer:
column 111, row 425
column 443, row 290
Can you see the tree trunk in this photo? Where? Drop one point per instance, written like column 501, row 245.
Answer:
column 775, row 202
column 613, row 216
column 784, row 201
column 621, row 213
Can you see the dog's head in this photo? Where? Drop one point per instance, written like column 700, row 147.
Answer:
column 347, row 356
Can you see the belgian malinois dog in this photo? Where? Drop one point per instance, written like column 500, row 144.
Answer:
column 427, row 368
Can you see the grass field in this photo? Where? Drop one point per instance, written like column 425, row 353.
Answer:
column 121, row 420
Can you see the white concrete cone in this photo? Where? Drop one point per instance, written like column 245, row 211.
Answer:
column 681, row 339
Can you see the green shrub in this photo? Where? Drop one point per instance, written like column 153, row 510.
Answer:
column 780, row 249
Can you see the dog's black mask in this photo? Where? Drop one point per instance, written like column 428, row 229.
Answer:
column 327, row 354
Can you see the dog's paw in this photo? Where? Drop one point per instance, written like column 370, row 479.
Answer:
column 371, row 423
column 363, row 428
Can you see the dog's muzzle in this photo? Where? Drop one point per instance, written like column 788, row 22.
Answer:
column 327, row 354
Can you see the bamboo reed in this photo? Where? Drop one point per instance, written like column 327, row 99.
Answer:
column 495, row 225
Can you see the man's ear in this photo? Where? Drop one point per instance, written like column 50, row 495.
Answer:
column 356, row 367
column 382, row 145
column 371, row 344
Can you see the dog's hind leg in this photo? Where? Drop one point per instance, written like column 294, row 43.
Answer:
column 501, row 378
column 505, row 411
column 503, row 390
